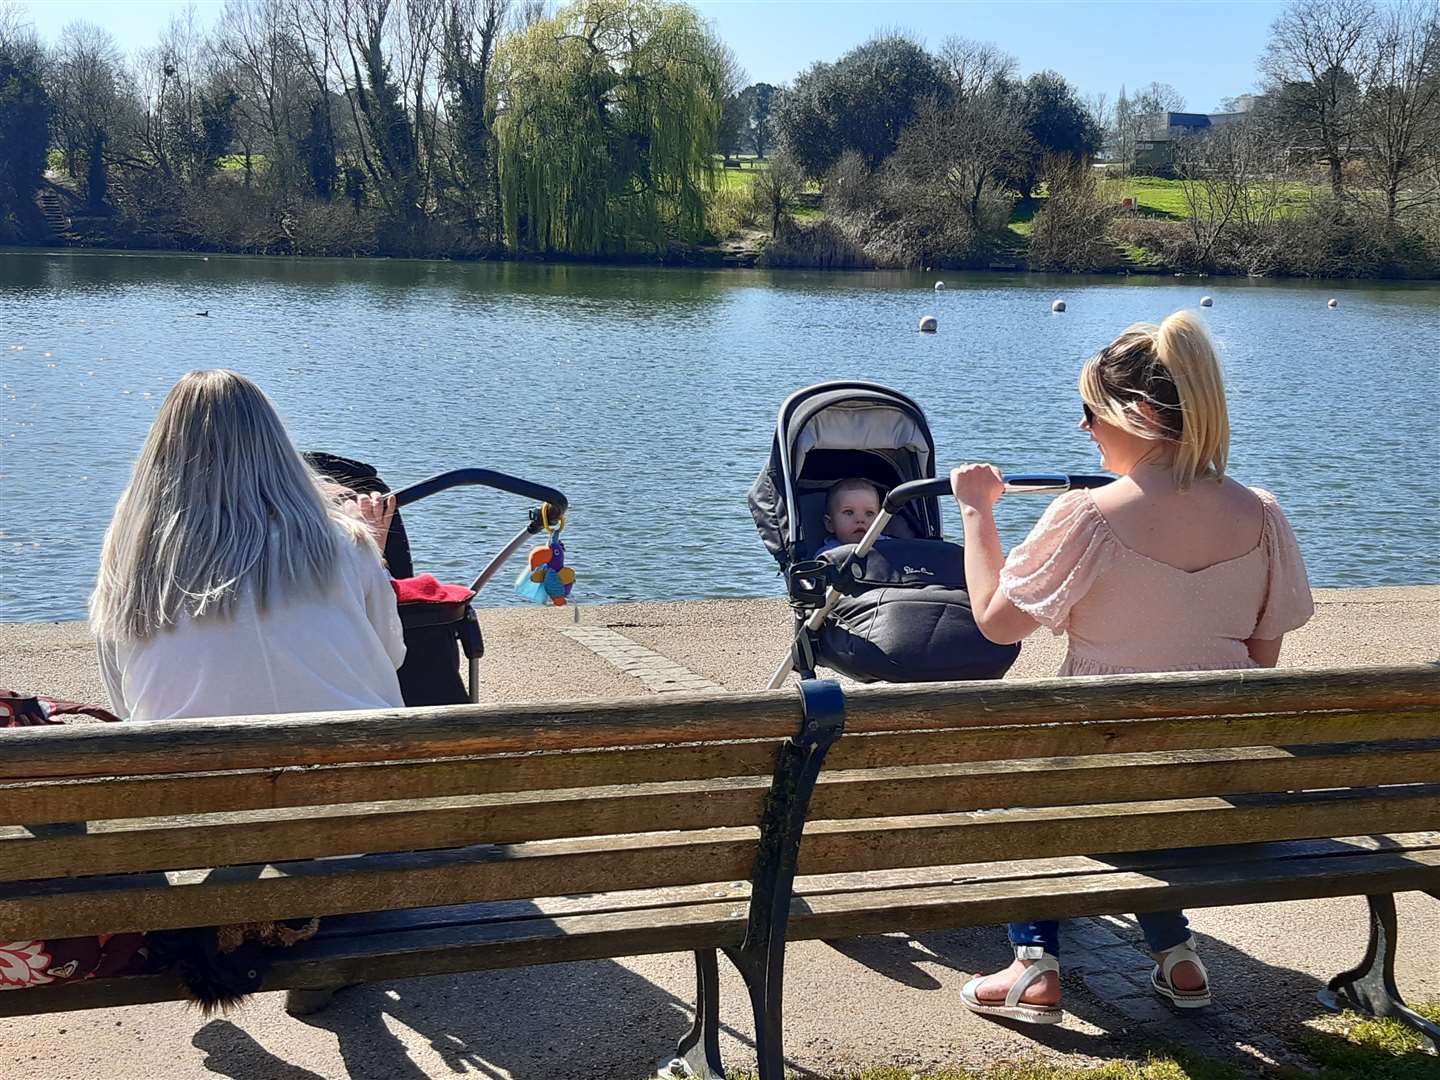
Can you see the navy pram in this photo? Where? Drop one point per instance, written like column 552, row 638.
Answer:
column 904, row 615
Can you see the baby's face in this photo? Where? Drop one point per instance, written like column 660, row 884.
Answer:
column 852, row 515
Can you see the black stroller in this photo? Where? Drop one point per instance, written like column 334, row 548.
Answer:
column 437, row 633
column 897, row 610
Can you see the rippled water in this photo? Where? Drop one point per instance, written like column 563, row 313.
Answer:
column 649, row 396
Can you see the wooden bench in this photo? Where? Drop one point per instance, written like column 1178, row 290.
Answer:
column 480, row 837
column 433, row 840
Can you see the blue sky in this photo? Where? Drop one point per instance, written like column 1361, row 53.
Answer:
column 1207, row 50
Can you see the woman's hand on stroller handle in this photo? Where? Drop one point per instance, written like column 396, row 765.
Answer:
column 1014, row 483
column 976, row 486
column 376, row 511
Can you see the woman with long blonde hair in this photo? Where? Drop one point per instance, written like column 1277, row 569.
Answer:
column 1173, row 567
column 233, row 580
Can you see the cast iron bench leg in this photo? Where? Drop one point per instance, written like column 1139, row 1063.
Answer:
column 698, row 1053
column 761, row 959
column 1369, row 987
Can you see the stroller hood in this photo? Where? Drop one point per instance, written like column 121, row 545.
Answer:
column 826, row 433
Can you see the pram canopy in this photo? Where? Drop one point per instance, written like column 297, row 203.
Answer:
column 905, row 615
column 829, row 432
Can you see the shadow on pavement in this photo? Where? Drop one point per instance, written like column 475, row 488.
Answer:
column 588, row 1019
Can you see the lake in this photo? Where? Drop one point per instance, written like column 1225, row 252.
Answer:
column 649, row 397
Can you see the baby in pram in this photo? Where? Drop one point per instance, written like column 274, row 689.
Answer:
column 849, row 509
column 905, row 615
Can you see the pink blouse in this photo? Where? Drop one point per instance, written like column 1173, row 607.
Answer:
column 1126, row 612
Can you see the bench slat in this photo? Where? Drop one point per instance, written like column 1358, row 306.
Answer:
column 26, row 802
column 1213, row 885
column 478, row 943
column 171, row 843
column 1115, row 778
column 259, row 836
column 238, row 894
column 977, row 836
column 1129, row 736
column 461, row 730
column 29, row 802
column 60, row 908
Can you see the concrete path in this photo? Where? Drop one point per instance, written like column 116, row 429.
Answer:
column 875, row 1000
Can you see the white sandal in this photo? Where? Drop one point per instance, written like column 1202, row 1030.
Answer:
column 1014, row 1008
column 1183, row 953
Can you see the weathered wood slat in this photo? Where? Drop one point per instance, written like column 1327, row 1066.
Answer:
column 927, row 840
column 243, row 894
column 453, row 731
column 168, row 843
column 1115, row 778
column 1129, row 736
column 468, row 947
column 308, row 832
column 23, row 802
column 237, row 894
column 26, row 802
column 877, row 881
column 978, row 903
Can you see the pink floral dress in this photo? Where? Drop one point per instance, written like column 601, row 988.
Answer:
column 1125, row 612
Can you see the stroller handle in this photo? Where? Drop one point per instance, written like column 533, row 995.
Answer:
column 1015, row 484
column 554, row 499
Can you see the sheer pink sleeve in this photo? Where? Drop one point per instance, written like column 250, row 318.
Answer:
column 1288, row 604
column 1056, row 564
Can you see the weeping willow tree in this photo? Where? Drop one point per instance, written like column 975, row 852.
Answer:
column 608, row 119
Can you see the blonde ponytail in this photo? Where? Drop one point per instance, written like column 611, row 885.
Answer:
column 1163, row 383
column 1184, row 348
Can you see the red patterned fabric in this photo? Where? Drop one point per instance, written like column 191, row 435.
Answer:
column 25, row 964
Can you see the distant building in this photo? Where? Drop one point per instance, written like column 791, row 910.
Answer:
column 1155, row 146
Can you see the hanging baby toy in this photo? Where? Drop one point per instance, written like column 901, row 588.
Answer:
column 547, row 580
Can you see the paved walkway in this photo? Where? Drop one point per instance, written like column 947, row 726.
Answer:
column 890, row 999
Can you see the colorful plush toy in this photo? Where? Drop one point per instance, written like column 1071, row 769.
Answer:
column 547, row 580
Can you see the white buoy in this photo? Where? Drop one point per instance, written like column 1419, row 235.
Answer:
column 1058, row 305
column 1333, row 303
column 939, row 285
column 1206, row 301
column 929, row 324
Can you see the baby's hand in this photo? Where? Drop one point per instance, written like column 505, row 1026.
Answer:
column 376, row 511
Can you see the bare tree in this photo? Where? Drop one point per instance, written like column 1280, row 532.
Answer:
column 1316, row 50
column 955, row 156
column 1398, row 123
column 1228, row 177
column 974, row 66
column 16, row 30
column 88, row 101
column 253, row 37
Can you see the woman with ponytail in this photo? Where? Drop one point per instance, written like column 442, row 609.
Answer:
column 1173, row 567
column 233, row 579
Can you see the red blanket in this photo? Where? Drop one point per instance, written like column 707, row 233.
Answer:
column 425, row 589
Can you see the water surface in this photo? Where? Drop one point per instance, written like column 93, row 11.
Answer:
column 649, row 397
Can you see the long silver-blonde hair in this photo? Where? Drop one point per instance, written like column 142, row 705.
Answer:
column 219, row 502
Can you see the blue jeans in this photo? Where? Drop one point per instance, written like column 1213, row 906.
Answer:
column 1163, row 930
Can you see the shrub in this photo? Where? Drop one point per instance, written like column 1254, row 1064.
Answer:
column 823, row 244
column 1069, row 232
column 851, row 185
column 728, row 211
